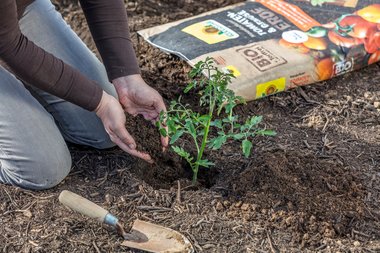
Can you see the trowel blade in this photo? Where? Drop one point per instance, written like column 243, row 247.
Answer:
column 159, row 239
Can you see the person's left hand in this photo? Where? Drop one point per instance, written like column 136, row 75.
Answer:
column 139, row 98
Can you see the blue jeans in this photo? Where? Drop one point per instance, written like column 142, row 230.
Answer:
column 33, row 128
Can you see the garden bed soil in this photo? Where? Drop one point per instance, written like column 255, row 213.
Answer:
column 312, row 188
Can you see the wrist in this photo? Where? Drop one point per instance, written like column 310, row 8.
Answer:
column 103, row 102
column 127, row 80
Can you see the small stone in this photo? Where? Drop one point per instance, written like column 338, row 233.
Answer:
column 247, row 217
column 376, row 104
column 226, row 203
column 231, row 214
column 356, row 243
column 312, row 219
column 306, row 237
column 330, row 94
column 339, row 242
column 109, row 199
column 27, row 214
column 238, row 204
column 289, row 221
column 219, row 207
column 208, row 246
column 245, row 207
column 330, row 233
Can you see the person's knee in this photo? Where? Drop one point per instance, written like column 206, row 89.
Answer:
column 51, row 171
column 103, row 142
column 42, row 171
column 98, row 139
column 85, row 128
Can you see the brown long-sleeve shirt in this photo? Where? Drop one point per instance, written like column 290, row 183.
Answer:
column 108, row 24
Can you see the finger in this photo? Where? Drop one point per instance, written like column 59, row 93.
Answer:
column 151, row 116
column 164, row 139
column 122, row 134
column 159, row 105
column 164, row 142
column 132, row 152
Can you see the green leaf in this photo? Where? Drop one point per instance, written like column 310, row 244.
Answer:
column 176, row 136
column 217, row 123
column 238, row 136
column 181, row 152
column 217, row 142
column 255, row 120
column 246, row 146
column 171, row 125
column 190, row 86
column 195, row 71
column 190, row 127
column 173, row 104
column 266, row 132
column 229, row 107
column 240, row 99
column 163, row 132
column 205, row 163
column 204, row 119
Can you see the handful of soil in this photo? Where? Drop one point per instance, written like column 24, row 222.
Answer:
column 167, row 166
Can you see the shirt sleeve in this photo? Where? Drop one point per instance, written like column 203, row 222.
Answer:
column 107, row 20
column 39, row 68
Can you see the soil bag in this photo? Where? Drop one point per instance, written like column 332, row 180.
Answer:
column 274, row 45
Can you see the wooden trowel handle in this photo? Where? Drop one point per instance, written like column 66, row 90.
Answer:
column 82, row 205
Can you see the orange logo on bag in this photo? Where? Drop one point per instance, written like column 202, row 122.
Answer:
column 271, row 87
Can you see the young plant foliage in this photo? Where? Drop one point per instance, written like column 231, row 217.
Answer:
column 217, row 100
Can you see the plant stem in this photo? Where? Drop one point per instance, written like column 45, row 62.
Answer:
column 195, row 175
column 232, row 123
column 200, row 153
column 204, row 142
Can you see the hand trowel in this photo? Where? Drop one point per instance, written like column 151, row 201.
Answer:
column 143, row 235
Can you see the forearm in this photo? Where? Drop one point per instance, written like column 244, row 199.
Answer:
column 108, row 23
column 37, row 67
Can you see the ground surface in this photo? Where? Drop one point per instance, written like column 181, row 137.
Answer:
column 315, row 187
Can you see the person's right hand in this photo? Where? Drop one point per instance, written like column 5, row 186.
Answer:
column 112, row 115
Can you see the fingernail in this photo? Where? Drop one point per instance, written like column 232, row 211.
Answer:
column 132, row 146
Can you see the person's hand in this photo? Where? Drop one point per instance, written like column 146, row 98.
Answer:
column 112, row 115
column 139, row 98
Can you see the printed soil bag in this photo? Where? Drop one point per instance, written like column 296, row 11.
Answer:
column 274, row 45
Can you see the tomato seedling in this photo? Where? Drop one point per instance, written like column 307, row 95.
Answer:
column 215, row 98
